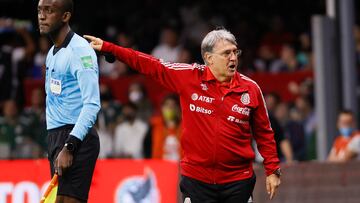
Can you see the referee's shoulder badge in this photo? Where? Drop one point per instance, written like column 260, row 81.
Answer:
column 87, row 61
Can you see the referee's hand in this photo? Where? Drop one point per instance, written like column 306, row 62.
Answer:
column 272, row 183
column 63, row 161
column 95, row 43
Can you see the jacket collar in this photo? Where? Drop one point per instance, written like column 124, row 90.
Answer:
column 236, row 84
column 65, row 43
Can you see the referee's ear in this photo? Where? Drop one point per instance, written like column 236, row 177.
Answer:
column 66, row 17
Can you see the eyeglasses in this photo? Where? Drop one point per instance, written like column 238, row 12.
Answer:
column 45, row 10
column 228, row 53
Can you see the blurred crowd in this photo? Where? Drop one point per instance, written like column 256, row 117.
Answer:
column 131, row 128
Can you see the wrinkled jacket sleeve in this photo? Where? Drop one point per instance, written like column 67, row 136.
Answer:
column 171, row 75
column 264, row 135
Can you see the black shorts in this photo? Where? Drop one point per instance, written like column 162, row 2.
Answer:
column 76, row 180
column 234, row 192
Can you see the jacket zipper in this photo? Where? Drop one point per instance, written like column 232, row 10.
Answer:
column 216, row 136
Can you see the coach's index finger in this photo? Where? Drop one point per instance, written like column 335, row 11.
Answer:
column 272, row 191
column 89, row 37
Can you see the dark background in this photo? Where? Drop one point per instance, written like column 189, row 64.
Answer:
column 144, row 18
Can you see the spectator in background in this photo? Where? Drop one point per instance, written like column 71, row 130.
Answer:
column 117, row 68
column 168, row 48
column 291, row 121
column 289, row 62
column 38, row 68
column 267, row 60
column 109, row 114
column 5, row 66
column 304, row 55
column 36, row 121
column 137, row 95
column 347, row 144
column 7, row 129
column 305, row 89
column 308, row 117
column 186, row 55
column 15, row 136
column 195, row 27
column 16, row 56
column 108, row 117
column 281, row 113
column 106, row 144
column 130, row 134
column 304, row 103
column 21, row 62
column 282, row 143
column 294, row 131
column 166, row 130
column 277, row 36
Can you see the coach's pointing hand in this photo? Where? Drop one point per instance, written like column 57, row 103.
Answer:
column 95, row 43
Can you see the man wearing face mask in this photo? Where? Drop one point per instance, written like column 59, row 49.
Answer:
column 138, row 96
column 347, row 145
column 166, row 130
column 130, row 134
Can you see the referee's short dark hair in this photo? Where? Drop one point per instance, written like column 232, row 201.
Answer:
column 67, row 6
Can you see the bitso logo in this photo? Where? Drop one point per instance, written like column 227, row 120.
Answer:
column 245, row 98
column 200, row 109
column 138, row 189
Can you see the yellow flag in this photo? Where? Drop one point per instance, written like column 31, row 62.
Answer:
column 50, row 193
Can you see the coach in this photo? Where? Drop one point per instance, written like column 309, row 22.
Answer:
column 222, row 112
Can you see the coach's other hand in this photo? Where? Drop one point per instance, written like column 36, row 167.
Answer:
column 63, row 161
column 95, row 43
column 272, row 183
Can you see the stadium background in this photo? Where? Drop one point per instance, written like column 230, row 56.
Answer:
column 274, row 35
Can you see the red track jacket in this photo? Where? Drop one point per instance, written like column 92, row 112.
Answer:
column 218, row 122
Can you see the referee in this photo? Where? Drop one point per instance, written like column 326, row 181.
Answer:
column 72, row 102
column 222, row 112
